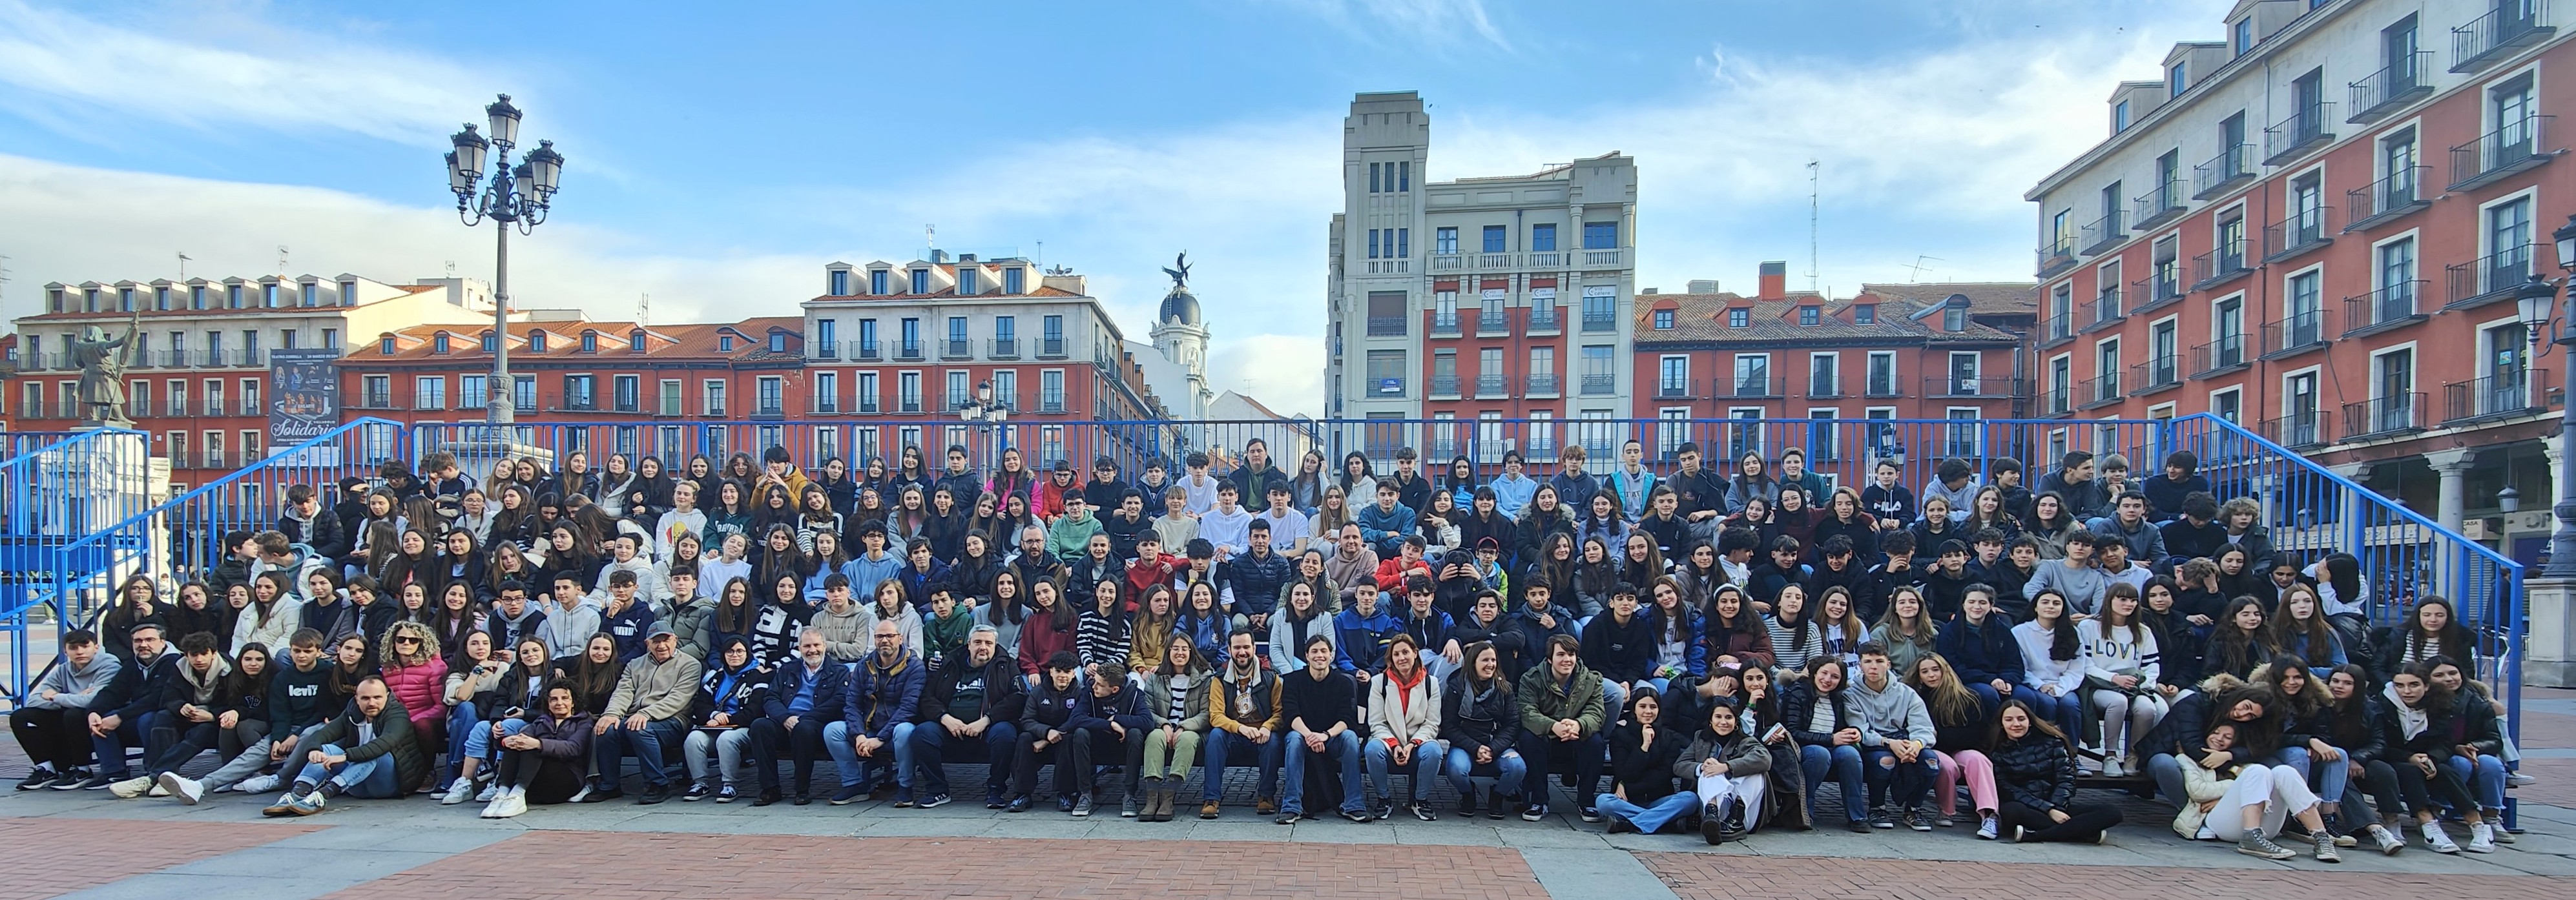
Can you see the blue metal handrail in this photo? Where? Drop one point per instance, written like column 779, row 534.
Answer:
column 39, row 514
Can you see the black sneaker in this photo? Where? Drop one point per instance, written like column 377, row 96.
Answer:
column 1467, row 804
column 1621, row 825
column 38, row 779
column 1355, row 815
column 934, row 801
column 994, row 800
column 697, row 791
column 654, row 793
column 71, row 779
column 767, row 797
column 903, row 798
column 1881, row 819
column 1914, row 820
column 1421, row 809
column 1385, row 810
column 1499, row 806
column 848, row 794
column 1590, row 814
column 1859, row 826
column 1019, row 804
column 1533, row 812
column 98, row 782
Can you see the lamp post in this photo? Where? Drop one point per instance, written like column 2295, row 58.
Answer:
column 517, row 196
column 2534, row 300
column 983, row 409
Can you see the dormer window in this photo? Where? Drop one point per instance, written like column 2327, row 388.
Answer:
column 968, row 281
column 268, row 296
column 232, row 296
column 54, row 299
column 1954, row 319
column 2177, row 79
column 921, row 281
column 877, row 279
column 1739, row 318
column 840, row 282
column 590, row 342
column 536, row 342
column 2244, row 35
column 488, row 343
column 385, row 345
column 777, row 342
column 311, row 294
column 1663, row 320
column 635, row 342
column 1015, row 280
column 2119, row 117
column 1809, row 315
column 348, row 293
column 438, row 343
column 724, row 343
column 1865, row 314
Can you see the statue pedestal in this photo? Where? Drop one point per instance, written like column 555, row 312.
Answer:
column 2549, row 632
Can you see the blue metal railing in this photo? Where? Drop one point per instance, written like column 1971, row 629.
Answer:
column 52, row 496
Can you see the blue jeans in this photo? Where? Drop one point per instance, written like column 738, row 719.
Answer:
column 2484, row 777
column 371, row 779
column 2327, row 779
column 902, row 745
column 1508, row 770
column 854, row 770
column 1343, row 753
column 478, row 741
column 1843, row 763
column 1648, row 819
column 610, row 751
column 1223, row 746
column 2066, row 711
column 1381, row 758
column 110, row 748
column 927, row 747
column 1907, row 782
column 462, row 722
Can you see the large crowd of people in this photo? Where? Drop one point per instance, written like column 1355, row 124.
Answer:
column 1678, row 649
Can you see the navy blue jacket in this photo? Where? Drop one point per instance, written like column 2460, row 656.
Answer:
column 831, row 689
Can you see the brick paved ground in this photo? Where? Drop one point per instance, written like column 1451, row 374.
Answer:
column 1702, row 876
column 638, row 866
column 83, row 852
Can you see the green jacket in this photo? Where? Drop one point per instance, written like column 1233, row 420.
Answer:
column 1544, row 700
column 1070, row 538
column 394, row 735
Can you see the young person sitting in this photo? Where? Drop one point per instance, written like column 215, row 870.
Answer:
column 1562, row 717
column 1898, row 741
column 1404, row 728
column 1642, row 758
column 2035, row 768
column 543, row 762
column 1319, row 704
column 52, row 727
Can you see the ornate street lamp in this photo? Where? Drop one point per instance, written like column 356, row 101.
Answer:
column 518, row 196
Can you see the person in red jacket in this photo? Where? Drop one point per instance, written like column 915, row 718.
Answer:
column 1406, row 564
column 1152, row 567
column 1059, row 484
column 415, row 673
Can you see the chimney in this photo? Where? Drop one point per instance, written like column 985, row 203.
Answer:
column 1775, row 282
column 1703, row 285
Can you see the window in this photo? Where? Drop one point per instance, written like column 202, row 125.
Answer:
column 523, row 391
column 1403, row 176
column 1663, row 320
column 2231, row 242
column 2397, row 45
column 232, row 296
column 1542, row 362
column 1489, row 373
column 1015, row 280
column 866, row 401
column 581, row 392
column 590, row 342
column 429, row 392
column 921, row 281
column 1600, row 374
column 1444, row 241
column 628, row 392
column 1672, row 376
column 712, row 397
column 1494, row 239
column 958, row 392
column 1865, row 314
column 1823, row 371
column 2177, row 79
column 374, row 392
column 348, row 293
column 840, row 283
column 2228, row 404
column 2303, row 311
column 1954, row 319
column 1600, row 235
column 250, row 396
column 1386, row 373
column 1006, row 328
column 214, row 449
column 1752, row 374
column 1376, row 184
column 2392, row 407
column 1739, row 318
column 969, row 281
column 827, row 335
column 911, row 336
column 196, row 296
column 1809, row 315
column 908, row 391
column 384, row 345
column 2244, row 29
column 2396, row 294
column 724, row 343
column 1543, row 237
column 268, row 296
column 771, row 388
column 536, row 342
column 2120, row 117
column 877, row 279
column 1006, row 388
column 1051, row 390
column 1404, row 243
column 777, row 342
column 1600, row 311
column 1052, row 328
column 1386, row 314
column 1444, row 373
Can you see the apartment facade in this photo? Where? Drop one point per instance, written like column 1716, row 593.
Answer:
column 2315, row 227
column 1479, row 297
column 198, row 368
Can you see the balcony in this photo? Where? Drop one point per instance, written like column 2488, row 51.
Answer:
column 2102, row 311
column 2159, row 374
column 1544, row 385
column 2387, row 200
column 2504, row 394
column 2101, row 234
column 2056, row 256
column 369, row 402
column 1389, row 266
column 1493, row 387
column 2492, row 38
column 170, row 359
column 1881, row 384
column 1546, row 259
column 2381, row 417
column 1446, row 262
column 214, row 408
column 2157, row 292
column 908, row 403
column 1492, row 261
column 1825, row 388
column 1444, row 324
column 2388, row 90
column 1493, row 323
column 908, row 351
column 1599, row 320
column 2219, row 357
column 1444, row 387
column 2297, row 233
column 2298, row 430
column 1050, row 403
column 957, row 348
column 2056, row 329
column 2059, row 401
column 2302, row 132
column 866, row 351
column 1545, row 321
column 829, row 350
column 2231, row 168
column 2386, row 309
column 867, row 406
column 2156, row 207
column 2101, row 390
column 1610, row 258
column 2218, row 267
column 1675, row 389
column 826, row 406
column 2488, row 279
column 1600, row 385
column 1967, row 387
column 1002, row 348
column 1386, row 326
column 1051, row 348
column 2514, row 147
column 1756, row 386
column 2295, row 333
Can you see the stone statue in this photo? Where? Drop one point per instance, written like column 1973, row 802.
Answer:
column 1181, row 275
column 102, row 382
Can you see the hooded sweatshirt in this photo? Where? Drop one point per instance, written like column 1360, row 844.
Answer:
column 1894, row 713
column 76, row 688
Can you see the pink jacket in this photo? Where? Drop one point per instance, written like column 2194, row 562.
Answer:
column 418, row 689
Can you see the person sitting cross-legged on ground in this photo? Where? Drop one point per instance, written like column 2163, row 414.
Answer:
column 2035, row 769
column 542, row 763
column 1642, row 753
column 646, row 711
column 976, row 698
column 1732, row 771
column 368, row 751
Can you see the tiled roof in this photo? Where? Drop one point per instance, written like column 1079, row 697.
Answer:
column 1700, row 318
column 1984, row 297
column 948, row 293
column 563, row 341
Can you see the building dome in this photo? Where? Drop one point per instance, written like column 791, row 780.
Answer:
column 1179, row 304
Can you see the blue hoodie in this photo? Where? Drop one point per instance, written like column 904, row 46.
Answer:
column 1360, row 641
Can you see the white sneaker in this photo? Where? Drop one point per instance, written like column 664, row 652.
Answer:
column 489, row 791
column 130, row 788
column 188, row 790
column 2433, row 837
column 2205, row 834
column 157, row 791
column 457, row 791
column 257, row 784
column 2519, row 778
column 511, row 805
column 2481, row 838
column 492, row 809
column 580, row 795
column 2111, row 768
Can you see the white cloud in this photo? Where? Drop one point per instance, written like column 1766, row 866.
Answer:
column 1440, row 23
column 1283, row 371
column 230, row 72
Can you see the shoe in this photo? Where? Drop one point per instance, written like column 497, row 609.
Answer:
column 1859, row 826
column 1732, row 827
column 492, row 809
column 654, row 793
column 1161, row 803
column 934, row 801
column 1264, row 805
column 2481, row 838
column 1467, row 803
column 285, row 806
column 2440, row 842
column 188, row 790
column 583, row 795
column 1986, row 828
column 457, row 792
column 2388, row 842
column 883, row 792
column 130, row 788
column 1620, row 825
column 2519, row 778
column 2326, row 851
column 257, row 784
column 309, row 804
column 1880, row 819
column 697, row 791
column 98, row 782
column 1421, row 809
column 1499, row 806
column 1064, row 804
column 767, row 797
column 1355, row 815
column 2204, row 834
column 1915, row 820
column 1944, row 820
column 727, row 794
column 71, row 779
column 1533, row 812
column 1288, row 818
column 1019, row 804
column 995, row 801
column 1208, row 810
column 848, row 794
column 1082, row 806
column 38, row 779
column 2342, row 835
column 489, row 791
column 2103, row 838
column 1382, row 811
column 1129, row 807
column 1590, row 814
column 2111, row 769
column 903, row 798
column 2494, row 819
column 2255, row 843
column 2019, row 833
column 1712, row 824
column 512, row 804
column 804, row 799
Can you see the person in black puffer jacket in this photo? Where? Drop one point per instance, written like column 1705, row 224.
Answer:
column 2036, row 775
column 1480, row 716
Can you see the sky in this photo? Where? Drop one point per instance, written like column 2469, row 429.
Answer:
column 719, row 155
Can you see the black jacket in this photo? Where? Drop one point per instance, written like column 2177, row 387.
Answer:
column 1471, row 719
column 1004, row 701
column 1797, row 713
column 1647, row 772
column 2035, row 771
column 1622, row 653
column 329, row 538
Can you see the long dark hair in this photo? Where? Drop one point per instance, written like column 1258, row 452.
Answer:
column 2454, row 640
column 2039, row 724
column 2062, row 645
column 240, row 684
column 2231, row 648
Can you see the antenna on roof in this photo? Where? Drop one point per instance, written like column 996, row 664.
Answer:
column 451, row 268
column 644, row 311
column 281, row 259
column 4, row 276
column 1918, row 267
column 183, row 265
column 1811, row 223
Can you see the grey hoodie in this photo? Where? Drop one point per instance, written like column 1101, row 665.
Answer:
column 75, row 688
column 1897, row 712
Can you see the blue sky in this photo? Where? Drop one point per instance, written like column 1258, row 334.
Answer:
column 720, row 154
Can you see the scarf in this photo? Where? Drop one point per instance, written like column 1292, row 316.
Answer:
column 2410, row 721
column 1244, row 679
